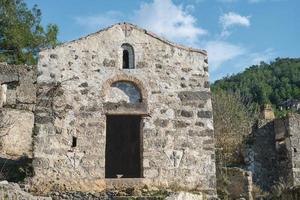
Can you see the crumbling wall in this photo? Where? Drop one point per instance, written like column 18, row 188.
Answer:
column 74, row 86
column 294, row 146
column 239, row 183
column 273, row 157
column 17, row 104
column 287, row 132
column 262, row 157
column 284, row 155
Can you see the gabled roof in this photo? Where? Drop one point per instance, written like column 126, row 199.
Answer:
column 144, row 31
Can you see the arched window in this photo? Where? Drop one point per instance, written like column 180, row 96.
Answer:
column 128, row 56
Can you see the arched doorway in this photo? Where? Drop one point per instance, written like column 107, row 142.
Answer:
column 123, row 150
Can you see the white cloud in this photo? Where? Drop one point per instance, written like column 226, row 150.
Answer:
column 176, row 23
column 266, row 56
column 163, row 17
column 96, row 22
column 231, row 19
column 220, row 52
column 236, row 60
column 169, row 20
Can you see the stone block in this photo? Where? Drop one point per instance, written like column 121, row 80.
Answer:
column 185, row 113
column 185, row 196
column 16, row 132
column 204, row 114
column 187, row 96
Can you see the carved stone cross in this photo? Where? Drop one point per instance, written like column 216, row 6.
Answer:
column 127, row 28
column 174, row 156
column 75, row 158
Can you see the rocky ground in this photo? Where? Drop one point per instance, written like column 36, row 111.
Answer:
column 13, row 191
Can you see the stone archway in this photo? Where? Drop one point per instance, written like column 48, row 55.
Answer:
column 125, row 78
column 124, row 91
column 123, row 94
column 125, row 102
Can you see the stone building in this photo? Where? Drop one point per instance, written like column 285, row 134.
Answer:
column 123, row 107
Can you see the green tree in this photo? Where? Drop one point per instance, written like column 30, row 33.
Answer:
column 21, row 33
column 266, row 83
column 233, row 122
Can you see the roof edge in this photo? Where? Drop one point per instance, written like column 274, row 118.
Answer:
column 162, row 39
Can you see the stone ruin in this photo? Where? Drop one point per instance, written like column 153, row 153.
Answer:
column 273, row 156
column 17, row 105
column 120, row 107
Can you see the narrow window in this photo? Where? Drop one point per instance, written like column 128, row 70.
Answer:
column 128, row 56
column 74, row 141
column 125, row 59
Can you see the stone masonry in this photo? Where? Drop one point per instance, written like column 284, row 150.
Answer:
column 83, row 83
column 17, row 104
column 273, row 155
column 287, row 134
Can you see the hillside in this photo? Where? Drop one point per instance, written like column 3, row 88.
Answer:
column 265, row 83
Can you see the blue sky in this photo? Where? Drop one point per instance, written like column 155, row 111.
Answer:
column 236, row 33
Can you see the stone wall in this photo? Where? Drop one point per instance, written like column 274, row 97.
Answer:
column 239, row 183
column 17, row 104
column 75, row 84
column 261, row 157
column 287, row 135
column 290, row 147
column 273, row 155
column 284, row 155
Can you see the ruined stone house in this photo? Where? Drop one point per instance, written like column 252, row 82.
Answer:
column 273, row 155
column 120, row 107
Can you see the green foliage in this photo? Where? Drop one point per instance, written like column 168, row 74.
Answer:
column 233, row 121
column 265, row 83
column 21, row 33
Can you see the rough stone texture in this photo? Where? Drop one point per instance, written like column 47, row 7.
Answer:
column 16, row 135
column 20, row 86
column 261, row 157
column 273, row 155
column 294, row 149
column 76, row 86
column 185, row 196
column 239, row 183
column 288, row 146
column 17, row 103
column 11, row 191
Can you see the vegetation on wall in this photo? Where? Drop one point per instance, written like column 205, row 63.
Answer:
column 236, row 103
column 21, row 33
column 233, row 123
column 265, row 83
